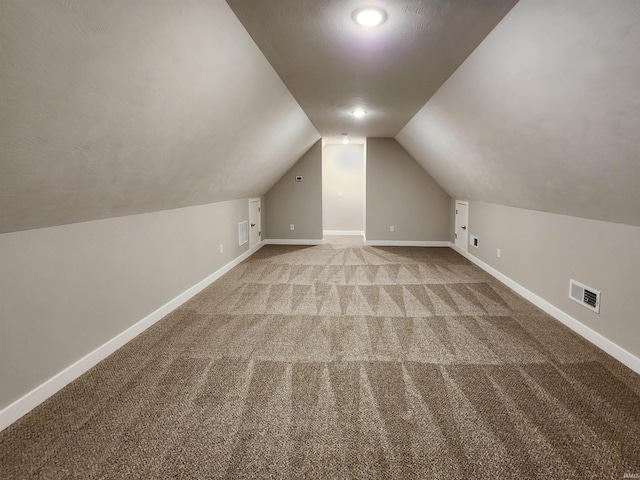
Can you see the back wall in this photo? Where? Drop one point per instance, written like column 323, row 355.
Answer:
column 402, row 194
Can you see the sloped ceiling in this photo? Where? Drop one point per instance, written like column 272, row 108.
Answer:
column 544, row 114
column 119, row 107
column 331, row 65
column 115, row 108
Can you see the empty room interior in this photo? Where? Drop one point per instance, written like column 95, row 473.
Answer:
column 319, row 239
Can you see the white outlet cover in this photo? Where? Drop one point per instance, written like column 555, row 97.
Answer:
column 291, row 227
column 392, row 228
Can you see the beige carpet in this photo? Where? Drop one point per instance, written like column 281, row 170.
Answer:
column 342, row 361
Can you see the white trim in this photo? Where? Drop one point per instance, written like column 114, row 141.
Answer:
column 406, row 243
column 292, row 241
column 343, row 232
column 257, row 200
column 254, row 249
column 580, row 328
column 28, row 402
column 35, row 397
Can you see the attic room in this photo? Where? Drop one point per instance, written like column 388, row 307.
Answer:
column 319, row 239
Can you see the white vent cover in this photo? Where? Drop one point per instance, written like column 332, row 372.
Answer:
column 243, row 232
column 585, row 296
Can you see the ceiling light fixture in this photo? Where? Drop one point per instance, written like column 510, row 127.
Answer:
column 359, row 113
column 345, row 140
column 369, row 16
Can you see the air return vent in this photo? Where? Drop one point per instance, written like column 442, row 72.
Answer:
column 243, row 232
column 585, row 296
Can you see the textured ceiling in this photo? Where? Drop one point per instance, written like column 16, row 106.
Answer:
column 119, row 107
column 116, row 108
column 331, row 65
column 544, row 114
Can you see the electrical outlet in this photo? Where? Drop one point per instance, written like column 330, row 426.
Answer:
column 221, row 248
column 292, row 227
column 498, row 253
column 392, row 228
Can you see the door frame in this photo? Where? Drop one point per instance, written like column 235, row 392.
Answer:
column 258, row 224
column 461, row 229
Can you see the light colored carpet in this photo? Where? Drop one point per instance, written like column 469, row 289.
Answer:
column 342, row 361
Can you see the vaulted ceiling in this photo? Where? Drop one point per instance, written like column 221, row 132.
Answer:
column 544, row 115
column 332, row 65
column 116, row 108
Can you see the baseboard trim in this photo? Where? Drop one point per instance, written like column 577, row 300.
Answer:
column 293, row 241
column 406, row 243
column 252, row 250
column 31, row 400
column 35, row 397
column 580, row 328
column 343, row 232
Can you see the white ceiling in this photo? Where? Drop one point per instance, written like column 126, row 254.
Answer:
column 332, row 65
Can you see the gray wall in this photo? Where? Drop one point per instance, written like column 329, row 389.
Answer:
column 402, row 194
column 66, row 290
column 299, row 203
column 542, row 251
column 343, row 181
column 544, row 114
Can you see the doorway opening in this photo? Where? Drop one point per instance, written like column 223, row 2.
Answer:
column 343, row 192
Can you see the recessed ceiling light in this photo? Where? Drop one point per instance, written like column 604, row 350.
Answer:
column 369, row 16
column 359, row 113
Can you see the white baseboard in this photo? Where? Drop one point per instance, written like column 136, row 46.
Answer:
column 406, row 243
column 292, row 241
column 253, row 250
column 28, row 402
column 35, row 397
column 580, row 328
column 343, row 232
